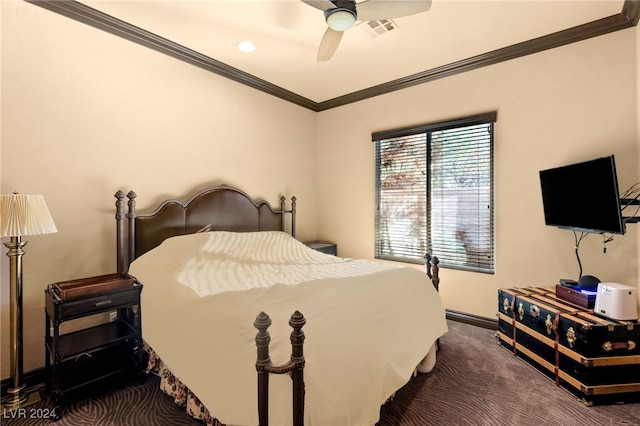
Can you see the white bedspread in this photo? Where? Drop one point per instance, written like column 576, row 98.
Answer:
column 369, row 324
column 224, row 261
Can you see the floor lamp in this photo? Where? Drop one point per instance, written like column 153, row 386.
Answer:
column 20, row 215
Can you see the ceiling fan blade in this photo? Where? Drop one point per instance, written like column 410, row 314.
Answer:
column 320, row 4
column 329, row 44
column 374, row 10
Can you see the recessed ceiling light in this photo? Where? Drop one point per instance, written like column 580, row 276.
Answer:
column 246, row 46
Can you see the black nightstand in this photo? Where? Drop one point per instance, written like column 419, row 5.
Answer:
column 112, row 350
column 323, row 246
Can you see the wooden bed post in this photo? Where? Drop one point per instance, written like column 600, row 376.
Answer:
column 293, row 216
column 433, row 270
column 283, row 209
column 263, row 338
column 120, row 254
column 131, row 216
column 295, row 366
column 296, row 322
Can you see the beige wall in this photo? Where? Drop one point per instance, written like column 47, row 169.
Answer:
column 566, row 105
column 85, row 113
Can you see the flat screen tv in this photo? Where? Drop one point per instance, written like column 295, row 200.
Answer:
column 583, row 197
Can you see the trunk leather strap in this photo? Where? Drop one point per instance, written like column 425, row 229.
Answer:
column 513, row 323
column 555, row 328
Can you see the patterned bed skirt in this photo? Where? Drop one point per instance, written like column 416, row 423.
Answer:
column 181, row 394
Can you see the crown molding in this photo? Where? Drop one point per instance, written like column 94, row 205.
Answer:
column 571, row 35
column 627, row 18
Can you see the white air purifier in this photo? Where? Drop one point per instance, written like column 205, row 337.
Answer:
column 617, row 301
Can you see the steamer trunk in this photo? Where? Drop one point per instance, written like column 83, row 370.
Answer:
column 595, row 358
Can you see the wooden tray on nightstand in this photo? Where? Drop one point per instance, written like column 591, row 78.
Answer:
column 92, row 285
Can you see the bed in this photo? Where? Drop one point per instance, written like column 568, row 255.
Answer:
column 211, row 265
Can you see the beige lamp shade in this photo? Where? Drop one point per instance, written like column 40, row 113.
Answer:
column 24, row 214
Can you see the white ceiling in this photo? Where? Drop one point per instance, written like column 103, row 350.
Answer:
column 287, row 34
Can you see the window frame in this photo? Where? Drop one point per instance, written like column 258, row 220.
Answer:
column 427, row 129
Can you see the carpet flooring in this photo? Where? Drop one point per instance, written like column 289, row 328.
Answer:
column 475, row 382
column 478, row 382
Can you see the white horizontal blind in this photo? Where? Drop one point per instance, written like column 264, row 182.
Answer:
column 401, row 217
column 461, row 220
column 434, row 189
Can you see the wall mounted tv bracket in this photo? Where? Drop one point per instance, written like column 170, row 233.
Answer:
column 630, row 202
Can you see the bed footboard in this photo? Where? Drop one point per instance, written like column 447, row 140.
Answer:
column 295, row 366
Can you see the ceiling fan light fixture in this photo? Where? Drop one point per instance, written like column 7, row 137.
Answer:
column 341, row 19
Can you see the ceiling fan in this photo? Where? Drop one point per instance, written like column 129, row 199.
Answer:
column 342, row 15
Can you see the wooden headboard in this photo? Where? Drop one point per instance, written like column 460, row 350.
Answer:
column 221, row 208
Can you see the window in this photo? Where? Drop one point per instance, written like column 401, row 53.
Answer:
column 434, row 193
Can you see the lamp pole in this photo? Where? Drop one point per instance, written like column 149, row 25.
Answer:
column 16, row 395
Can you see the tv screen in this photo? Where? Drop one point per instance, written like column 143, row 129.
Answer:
column 583, row 197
